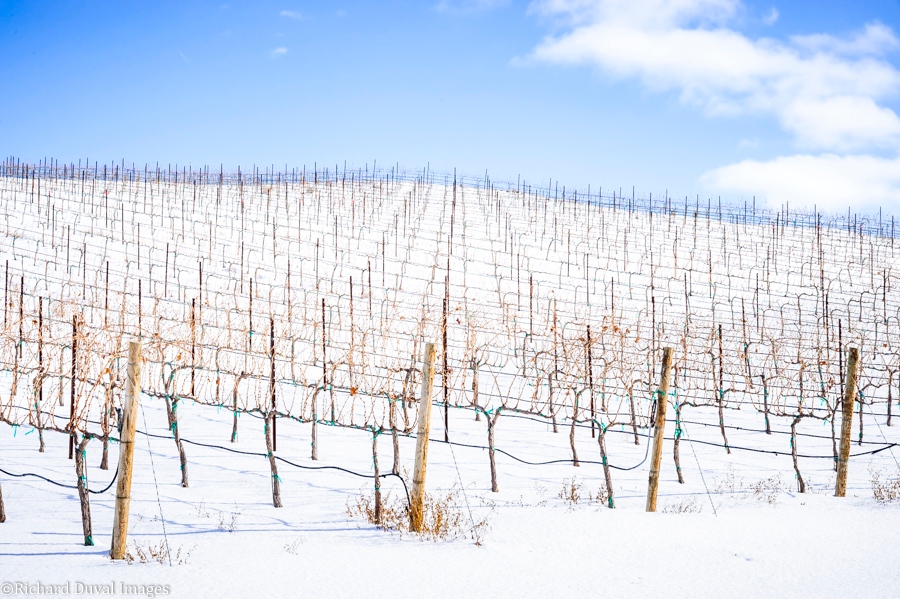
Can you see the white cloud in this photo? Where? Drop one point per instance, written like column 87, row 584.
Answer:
column 848, row 123
column 823, row 90
column 875, row 39
column 829, row 182
column 278, row 52
column 772, row 17
column 468, row 6
column 292, row 14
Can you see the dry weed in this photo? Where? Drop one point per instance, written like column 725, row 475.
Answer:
column 444, row 516
column 687, row 505
column 729, row 484
column 887, row 491
column 768, row 489
column 160, row 553
column 228, row 521
column 294, row 546
column 571, row 492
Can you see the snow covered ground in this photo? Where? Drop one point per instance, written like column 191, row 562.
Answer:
column 761, row 539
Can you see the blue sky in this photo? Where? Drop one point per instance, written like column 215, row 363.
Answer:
column 792, row 102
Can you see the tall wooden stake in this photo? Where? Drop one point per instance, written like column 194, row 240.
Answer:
column 126, row 451
column 193, row 343
column 590, row 372
column 661, row 403
column 314, row 453
column 445, row 368
column 41, row 374
column 72, row 395
column 272, row 382
column 417, row 501
column 840, row 485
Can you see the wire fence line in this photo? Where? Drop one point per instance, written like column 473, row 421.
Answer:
column 746, row 212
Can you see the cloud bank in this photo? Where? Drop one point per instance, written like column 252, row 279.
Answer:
column 828, row 93
column 829, row 182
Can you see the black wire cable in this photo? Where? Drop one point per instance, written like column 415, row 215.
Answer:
column 281, row 459
column 63, row 485
column 467, row 445
column 785, row 453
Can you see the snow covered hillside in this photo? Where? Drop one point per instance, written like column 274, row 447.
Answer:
column 304, row 299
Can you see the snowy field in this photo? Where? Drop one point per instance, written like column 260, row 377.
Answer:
column 549, row 308
column 756, row 543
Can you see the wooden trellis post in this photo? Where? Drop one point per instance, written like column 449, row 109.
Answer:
column 661, row 403
column 840, row 485
column 417, row 501
column 126, row 451
column 272, row 382
column 72, row 395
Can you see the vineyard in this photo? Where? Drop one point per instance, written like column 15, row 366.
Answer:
column 284, row 314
